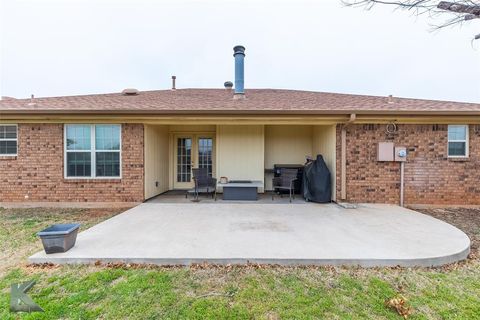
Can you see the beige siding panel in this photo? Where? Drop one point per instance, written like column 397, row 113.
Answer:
column 286, row 144
column 324, row 143
column 156, row 160
column 192, row 128
column 240, row 152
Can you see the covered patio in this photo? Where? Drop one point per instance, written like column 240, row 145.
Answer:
column 271, row 233
column 245, row 152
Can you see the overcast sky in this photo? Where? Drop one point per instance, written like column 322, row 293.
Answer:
column 60, row 47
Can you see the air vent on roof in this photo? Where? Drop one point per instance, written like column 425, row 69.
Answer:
column 32, row 100
column 130, row 92
column 228, row 85
column 390, row 99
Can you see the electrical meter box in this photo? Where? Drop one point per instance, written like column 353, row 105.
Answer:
column 400, row 154
column 385, row 151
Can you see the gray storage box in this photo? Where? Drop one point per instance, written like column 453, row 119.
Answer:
column 59, row 237
column 240, row 193
column 241, row 189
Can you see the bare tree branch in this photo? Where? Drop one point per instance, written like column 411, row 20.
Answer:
column 459, row 7
column 458, row 11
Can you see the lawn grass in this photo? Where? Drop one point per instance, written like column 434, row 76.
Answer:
column 18, row 228
column 228, row 292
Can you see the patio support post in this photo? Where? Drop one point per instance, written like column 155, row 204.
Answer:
column 343, row 194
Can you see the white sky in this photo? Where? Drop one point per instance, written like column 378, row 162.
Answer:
column 65, row 47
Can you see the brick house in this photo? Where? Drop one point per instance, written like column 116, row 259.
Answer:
column 131, row 146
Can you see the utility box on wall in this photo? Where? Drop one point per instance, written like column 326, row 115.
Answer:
column 385, row 151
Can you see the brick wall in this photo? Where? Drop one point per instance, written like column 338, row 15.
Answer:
column 38, row 170
column 430, row 177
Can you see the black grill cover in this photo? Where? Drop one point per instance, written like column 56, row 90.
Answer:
column 317, row 185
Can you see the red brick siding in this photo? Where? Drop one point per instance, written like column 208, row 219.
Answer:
column 38, row 170
column 430, row 177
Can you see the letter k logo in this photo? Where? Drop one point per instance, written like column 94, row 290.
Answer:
column 19, row 301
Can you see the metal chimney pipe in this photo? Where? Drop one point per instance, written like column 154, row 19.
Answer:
column 239, row 54
column 173, row 82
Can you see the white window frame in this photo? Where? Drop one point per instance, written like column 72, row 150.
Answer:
column 10, row 139
column 93, row 151
column 466, row 141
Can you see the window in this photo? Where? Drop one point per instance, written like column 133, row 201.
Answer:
column 8, row 140
column 458, row 141
column 92, row 151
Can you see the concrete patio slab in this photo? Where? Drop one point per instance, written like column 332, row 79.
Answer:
column 287, row 234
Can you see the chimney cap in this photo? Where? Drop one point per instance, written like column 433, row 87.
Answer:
column 228, row 84
column 238, row 50
column 130, row 92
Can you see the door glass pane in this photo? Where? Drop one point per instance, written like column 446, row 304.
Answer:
column 205, row 146
column 184, row 159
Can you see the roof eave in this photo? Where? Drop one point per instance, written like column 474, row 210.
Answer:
column 243, row 112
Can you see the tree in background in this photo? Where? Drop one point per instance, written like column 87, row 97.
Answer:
column 458, row 11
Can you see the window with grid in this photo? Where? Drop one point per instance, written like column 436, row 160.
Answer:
column 92, row 151
column 8, row 140
column 458, row 140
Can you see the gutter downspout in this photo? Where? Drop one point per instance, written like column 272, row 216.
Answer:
column 343, row 193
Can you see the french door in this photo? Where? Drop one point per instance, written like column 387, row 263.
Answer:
column 192, row 151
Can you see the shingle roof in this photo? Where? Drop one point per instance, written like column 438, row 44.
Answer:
column 221, row 100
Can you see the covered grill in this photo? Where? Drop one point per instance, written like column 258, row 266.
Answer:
column 317, row 183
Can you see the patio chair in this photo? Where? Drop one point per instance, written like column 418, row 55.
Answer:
column 203, row 183
column 286, row 181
